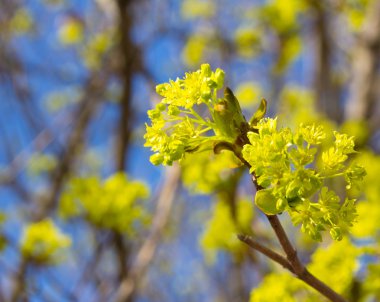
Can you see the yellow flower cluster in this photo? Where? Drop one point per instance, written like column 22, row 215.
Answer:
column 43, row 243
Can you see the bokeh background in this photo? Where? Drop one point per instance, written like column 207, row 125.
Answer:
column 86, row 217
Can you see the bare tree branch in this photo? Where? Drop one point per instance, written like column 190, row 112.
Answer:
column 266, row 251
column 299, row 269
column 365, row 57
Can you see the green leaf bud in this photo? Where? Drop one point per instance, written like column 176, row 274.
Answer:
column 162, row 88
column 206, row 93
column 206, row 70
column 154, row 114
column 211, row 83
column 266, row 202
column 344, row 143
column 156, row 159
column 161, row 107
column 259, row 114
column 281, row 204
column 173, row 110
column 336, row 233
column 219, row 78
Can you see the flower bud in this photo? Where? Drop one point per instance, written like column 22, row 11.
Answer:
column 281, row 204
column 162, row 88
column 156, row 159
column 219, row 78
column 154, row 114
column 206, row 70
column 161, row 107
column 336, row 233
column 206, row 93
column 173, row 110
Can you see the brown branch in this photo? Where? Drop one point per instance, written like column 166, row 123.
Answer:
column 266, row 251
column 289, row 250
column 365, row 57
column 291, row 262
column 324, row 86
column 299, row 269
column 127, row 58
column 18, row 290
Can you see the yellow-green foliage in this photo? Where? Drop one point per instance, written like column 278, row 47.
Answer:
column 198, row 8
column 248, row 94
column 194, row 49
column 282, row 159
column 335, row 265
column 371, row 284
column 283, row 15
column 290, row 49
column 177, row 125
column 355, row 12
column 95, row 47
column 277, row 287
column 21, row 22
column 339, row 258
column 60, row 99
column 283, row 18
column 40, row 163
column 222, row 228
column 369, row 210
column 248, row 41
column 71, row 31
column 43, row 243
column 219, row 168
column 358, row 129
column 297, row 105
column 114, row 204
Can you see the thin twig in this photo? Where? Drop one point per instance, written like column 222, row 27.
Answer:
column 265, row 251
column 299, row 269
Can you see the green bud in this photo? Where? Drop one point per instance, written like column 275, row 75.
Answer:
column 354, row 173
column 154, row 114
column 161, row 107
column 298, row 139
column 315, row 234
column 173, row 110
column 336, row 233
column 162, row 88
column 266, row 202
column 211, row 83
column 223, row 119
column 281, row 204
column 206, row 70
column 206, row 93
column 259, row 114
column 156, row 159
column 219, row 78
column 228, row 116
